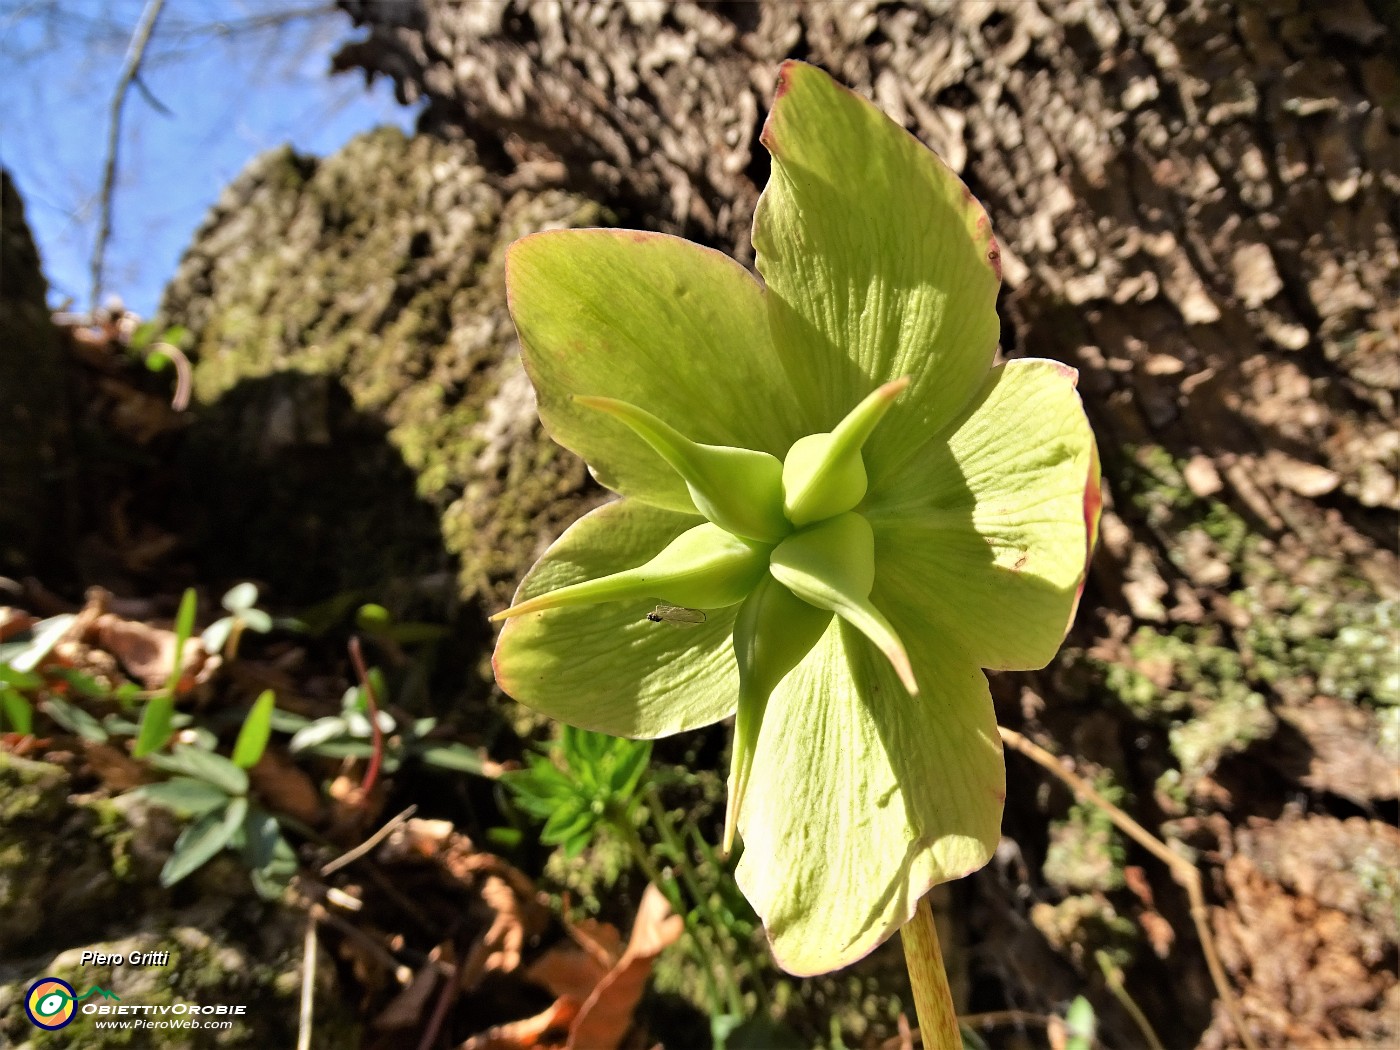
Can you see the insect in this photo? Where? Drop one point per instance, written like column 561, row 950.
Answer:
column 674, row 614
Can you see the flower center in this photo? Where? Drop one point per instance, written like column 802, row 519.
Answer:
column 782, row 538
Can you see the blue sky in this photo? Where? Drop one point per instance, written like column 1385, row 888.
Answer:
column 232, row 94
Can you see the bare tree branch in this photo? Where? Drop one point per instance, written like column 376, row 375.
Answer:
column 130, row 69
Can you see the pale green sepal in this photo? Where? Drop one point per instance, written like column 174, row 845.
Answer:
column 860, row 801
column 832, row 566
column 774, row 631
column 824, row 474
column 878, row 264
column 738, row 489
column 702, row 568
column 607, row 667
column 984, row 538
column 656, row 321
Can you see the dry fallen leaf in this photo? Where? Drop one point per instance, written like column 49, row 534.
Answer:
column 606, row 1015
column 147, row 653
column 527, row 1033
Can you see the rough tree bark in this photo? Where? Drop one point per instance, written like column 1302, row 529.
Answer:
column 1196, row 204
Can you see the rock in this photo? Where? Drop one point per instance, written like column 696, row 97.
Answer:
column 362, row 411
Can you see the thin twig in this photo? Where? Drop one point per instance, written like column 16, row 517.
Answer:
column 352, row 855
column 376, row 734
column 130, row 69
column 308, row 985
column 1114, row 976
column 1186, row 874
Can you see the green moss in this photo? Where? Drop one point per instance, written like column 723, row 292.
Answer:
column 1086, row 851
column 379, row 270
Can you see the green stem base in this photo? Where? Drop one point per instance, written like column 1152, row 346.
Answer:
column 933, row 999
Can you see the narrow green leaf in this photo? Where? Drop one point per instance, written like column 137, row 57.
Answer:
column 10, row 675
column 288, row 721
column 457, row 757
column 317, row 733
column 257, row 728
column 74, row 719
column 19, row 713
column 184, row 628
column 156, row 725
column 204, row 765
column 202, row 839
column 183, row 795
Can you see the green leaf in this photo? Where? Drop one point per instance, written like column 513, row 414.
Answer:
column 373, row 619
column 157, row 361
column 19, row 713
column 878, row 264
column 1082, row 1024
column 607, row 667
column 156, row 725
column 175, row 335
column 216, row 634
column 183, row 795
column 202, row 839
column 18, row 679
column 74, row 719
column 184, row 627
column 256, row 730
column 204, row 765
column 143, row 335
column 880, row 796
column 256, row 620
column 240, row 598
column 984, row 542
column 317, row 733
column 456, row 757
column 270, row 858
column 652, row 320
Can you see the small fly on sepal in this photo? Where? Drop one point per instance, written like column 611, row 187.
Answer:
column 674, row 614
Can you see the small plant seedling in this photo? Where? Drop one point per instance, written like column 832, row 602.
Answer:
column 589, row 781
column 212, row 792
column 157, row 717
column 224, row 633
column 350, row 735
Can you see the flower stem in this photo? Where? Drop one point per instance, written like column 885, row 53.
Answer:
column 933, row 999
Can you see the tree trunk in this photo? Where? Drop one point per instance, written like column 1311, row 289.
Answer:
column 1196, row 207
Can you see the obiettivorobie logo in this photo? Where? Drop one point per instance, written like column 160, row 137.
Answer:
column 52, row 1004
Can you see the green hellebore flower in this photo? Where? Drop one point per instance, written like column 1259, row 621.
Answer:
column 827, row 465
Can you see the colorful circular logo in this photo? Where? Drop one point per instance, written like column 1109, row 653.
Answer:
column 49, row 1003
